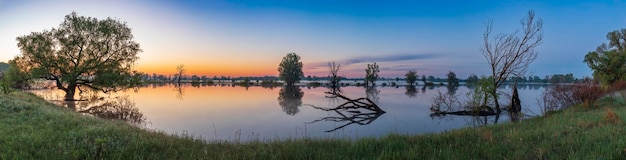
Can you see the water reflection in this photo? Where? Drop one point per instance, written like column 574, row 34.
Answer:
column 452, row 89
column 411, row 91
column 180, row 91
column 117, row 108
column 290, row 99
column 362, row 111
column 372, row 93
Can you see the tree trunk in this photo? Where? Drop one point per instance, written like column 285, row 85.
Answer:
column 69, row 92
column 495, row 100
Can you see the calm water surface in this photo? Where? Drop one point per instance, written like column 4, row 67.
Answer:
column 235, row 113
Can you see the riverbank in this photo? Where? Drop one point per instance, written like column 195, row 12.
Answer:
column 31, row 128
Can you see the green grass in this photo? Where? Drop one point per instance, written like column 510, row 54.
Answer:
column 31, row 128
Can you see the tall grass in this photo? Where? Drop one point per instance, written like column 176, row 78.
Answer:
column 31, row 128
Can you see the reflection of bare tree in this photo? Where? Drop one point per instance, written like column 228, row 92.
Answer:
column 372, row 93
column 360, row 111
column 411, row 91
column 180, row 91
column 290, row 98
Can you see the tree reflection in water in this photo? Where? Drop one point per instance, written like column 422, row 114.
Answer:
column 290, row 99
column 362, row 111
column 411, row 91
column 118, row 108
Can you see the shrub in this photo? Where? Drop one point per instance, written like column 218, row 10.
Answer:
column 560, row 96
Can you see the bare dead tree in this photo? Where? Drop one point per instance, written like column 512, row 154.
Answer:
column 510, row 54
column 351, row 112
column 334, row 70
column 180, row 72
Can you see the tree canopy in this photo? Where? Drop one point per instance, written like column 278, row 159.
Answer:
column 452, row 80
column 290, row 69
column 81, row 51
column 411, row 77
column 371, row 73
column 608, row 62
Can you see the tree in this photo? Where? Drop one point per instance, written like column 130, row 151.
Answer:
column 180, row 73
column 452, row 80
column 608, row 62
column 290, row 69
column 411, row 77
column 82, row 51
column 14, row 76
column 424, row 79
column 471, row 79
column 510, row 54
column 334, row 70
column 371, row 73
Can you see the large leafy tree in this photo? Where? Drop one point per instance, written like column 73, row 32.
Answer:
column 290, row 69
column 411, row 77
column 371, row 73
column 608, row 62
column 82, row 52
column 452, row 80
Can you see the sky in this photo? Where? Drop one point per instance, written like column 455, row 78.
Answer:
column 249, row 38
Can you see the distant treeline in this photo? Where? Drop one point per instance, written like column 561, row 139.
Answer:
column 556, row 78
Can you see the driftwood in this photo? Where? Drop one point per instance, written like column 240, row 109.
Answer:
column 364, row 103
column 487, row 111
column 351, row 112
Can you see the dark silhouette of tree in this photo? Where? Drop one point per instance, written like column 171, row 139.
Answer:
column 290, row 69
column 82, row 51
column 334, row 70
column 290, row 99
column 180, row 73
column 411, row 77
column 471, row 79
column 452, row 80
column 371, row 74
column 510, row 54
column 608, row 62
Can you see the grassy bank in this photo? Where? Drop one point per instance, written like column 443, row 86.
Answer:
column 31, row 128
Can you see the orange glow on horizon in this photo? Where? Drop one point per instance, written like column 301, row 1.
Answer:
column 211, row 70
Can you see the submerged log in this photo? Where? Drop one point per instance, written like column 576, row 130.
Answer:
column 486, row 111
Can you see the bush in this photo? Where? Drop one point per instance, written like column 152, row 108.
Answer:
column 560, row 96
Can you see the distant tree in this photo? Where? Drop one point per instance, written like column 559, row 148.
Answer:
column 371, row 73
column 471, row 79
column 334, row 70
column 424, row 79
column 510, row 54
column 82, row 51
column 452, row 80
column 608, row 62
column 180, row 73
column 290, row 69
column 411, row 77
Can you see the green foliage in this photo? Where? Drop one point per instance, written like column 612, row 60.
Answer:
column 14, row 76
column 481, row 95
column 452, row 80
column 4, row 87
column 371, row 73
column 82, row 51
column 290, row 69
column 411, row 77
column 608, row 62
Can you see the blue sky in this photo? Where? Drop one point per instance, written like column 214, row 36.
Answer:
column 235, row 38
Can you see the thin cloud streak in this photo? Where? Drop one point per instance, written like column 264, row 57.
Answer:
column 378, row 59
